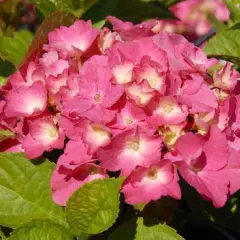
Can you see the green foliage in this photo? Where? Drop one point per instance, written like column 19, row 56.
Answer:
column 2, row 236
column 234, row 7
column 76, row 7
column 25, row 192
column 140, row 10
column 225, row 45
column 14, row 49
column 100, row 11
column 169, row 3
column 134, row 10
column 45, row 6
column 10, row 16
column 41, row 230
column 218, row 25
column 144, row 229
column 94, row 207
column 6, row 69
column 235, row 26
column 204, row 213
column 5, row 134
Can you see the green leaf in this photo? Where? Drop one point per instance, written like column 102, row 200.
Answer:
column 51, row 22
column 14, row 49
column 219, row 26
column 234, row 7
column 167, row 3
column 94, row 207
column 234, row 26
column 144, row 230
column 45, row 6
column 25, row 191
column 76, row 7
column 3, row 81
column 5, row 134
column 225, row 45
column 2, row 235
column 100, row 11
column 81, row 6
column 41, row 230
column 135, row 10
column 6, row 68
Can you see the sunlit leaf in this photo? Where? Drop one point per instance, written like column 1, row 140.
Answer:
column 14, row 49
column 94, row 207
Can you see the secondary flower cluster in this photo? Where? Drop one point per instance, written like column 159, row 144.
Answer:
column 128, row 102
column 194, row 16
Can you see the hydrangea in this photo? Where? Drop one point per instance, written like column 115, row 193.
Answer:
column 133, row 102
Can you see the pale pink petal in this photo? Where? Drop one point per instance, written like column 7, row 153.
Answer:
column 26, row 101
column 148, row 184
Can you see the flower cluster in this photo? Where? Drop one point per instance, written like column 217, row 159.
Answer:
column 128, row 102
column 193, row 19
column 194, row 16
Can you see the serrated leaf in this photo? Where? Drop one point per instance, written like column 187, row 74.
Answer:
column 225, row 45
column 5, row 134
column 234, row 7
column 141, row 230
column 100, row 11
column 94, row 207
column 53, row 21
column 133, row 10
column 76, row 7
column 83, row 236
column 14, row 49
column 136, row 10
column 25, row 191
column 41, row 230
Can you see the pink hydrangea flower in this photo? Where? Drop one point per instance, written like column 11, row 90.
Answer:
column 170, row 133
column 204, row 160
column 127, row 31
column 72, row 41
column 26, row 101
column 97, row 93
column 226, row 78
column 148, row 184
column 52, row 64
column 168, row 111
column 94, row 135
column 129, row 149
column 43, row 135
column 197, row 95
column 75, row 154
column 130, row 116
column 134, row 100
column 27, row 77
column 233, row 170
column 54, row 84
column 194, row 14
